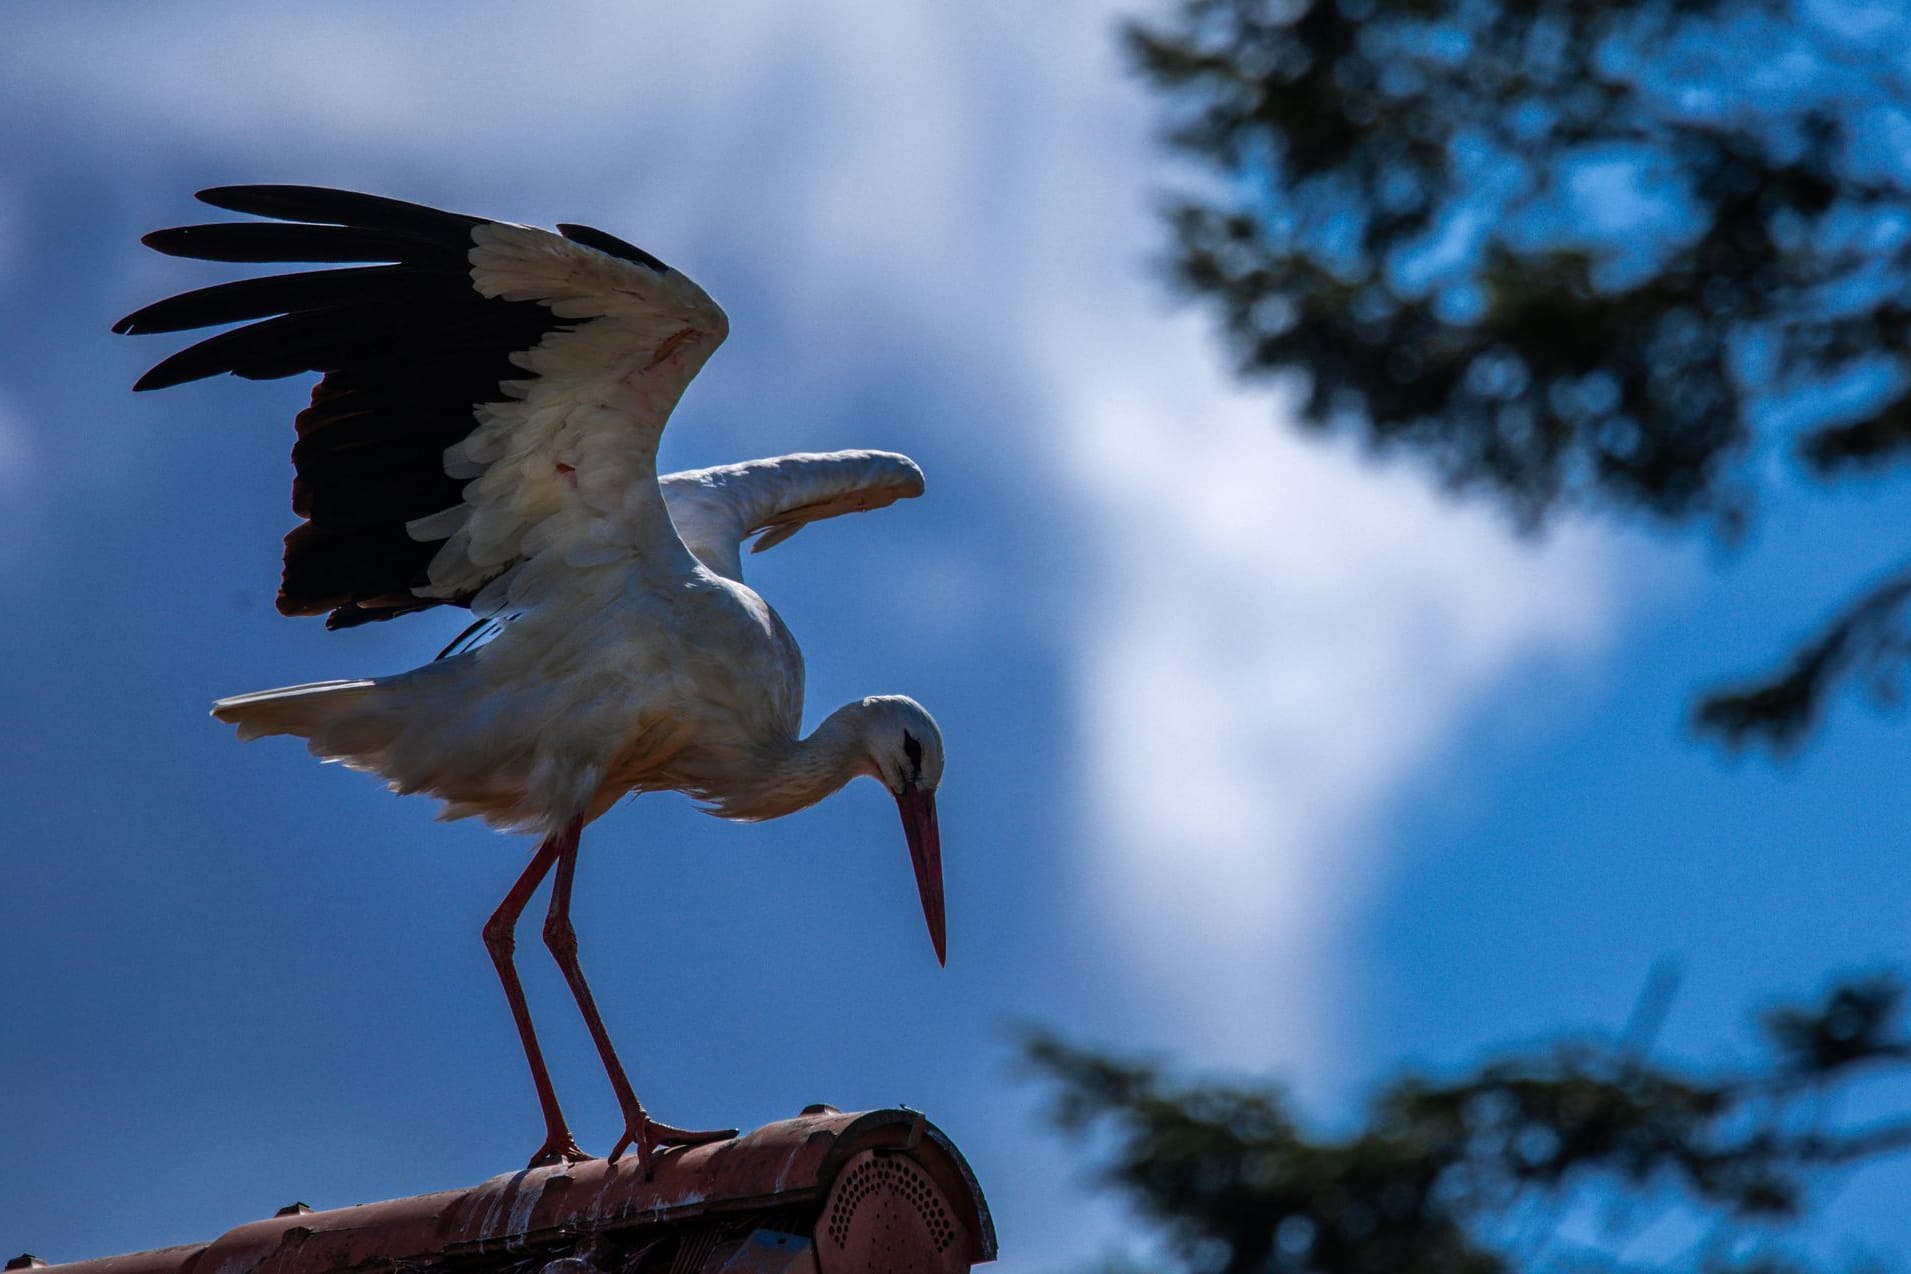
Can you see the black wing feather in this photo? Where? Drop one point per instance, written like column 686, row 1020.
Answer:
column 407, row 347
column 341, row 208
column 272, row 241
column 258, row 351
column 610, row 245
column 283, row 294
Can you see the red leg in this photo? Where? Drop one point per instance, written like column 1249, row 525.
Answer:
column 500, row 937
column 639, row 1128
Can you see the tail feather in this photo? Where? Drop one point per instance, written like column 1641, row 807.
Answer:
column 307, row 711
column 419, row 732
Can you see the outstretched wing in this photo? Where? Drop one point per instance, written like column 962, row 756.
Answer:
column 716, row 510
column 490, row 391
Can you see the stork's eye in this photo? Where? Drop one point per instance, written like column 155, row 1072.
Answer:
column 913, row 750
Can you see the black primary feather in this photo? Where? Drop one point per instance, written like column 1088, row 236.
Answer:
column 282, row 294
column 407, row 349
column 341, row 207
column 272, row 241
column 610, row 245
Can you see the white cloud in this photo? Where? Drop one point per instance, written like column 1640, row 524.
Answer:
column 1280, row 636
column 1276, row 635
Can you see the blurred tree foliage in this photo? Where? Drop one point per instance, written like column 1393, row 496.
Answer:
column 1569, row 252
column 1494, row 1172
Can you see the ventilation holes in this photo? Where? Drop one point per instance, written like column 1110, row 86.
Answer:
column 885, row 1183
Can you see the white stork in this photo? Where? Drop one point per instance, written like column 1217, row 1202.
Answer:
column 485, row 435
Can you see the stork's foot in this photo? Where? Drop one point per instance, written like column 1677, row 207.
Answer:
column 559, row 1148
column 647, row 1134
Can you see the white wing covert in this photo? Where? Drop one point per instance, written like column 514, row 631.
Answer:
column 715, row 510
column 490, row 393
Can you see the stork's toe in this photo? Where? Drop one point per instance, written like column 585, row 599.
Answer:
column 557, row 1150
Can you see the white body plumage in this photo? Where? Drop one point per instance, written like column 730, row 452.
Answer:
column 630, row 655
column 485, row 434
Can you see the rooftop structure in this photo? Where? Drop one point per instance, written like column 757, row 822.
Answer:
column 824, row 1193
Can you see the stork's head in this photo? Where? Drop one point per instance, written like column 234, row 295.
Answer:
column 905, row 749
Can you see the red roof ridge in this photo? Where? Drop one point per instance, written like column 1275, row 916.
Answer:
column 873, row 1190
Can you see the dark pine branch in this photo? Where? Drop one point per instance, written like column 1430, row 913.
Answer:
column 1233, row 1182
column 1866, row 641
column 1416, row 214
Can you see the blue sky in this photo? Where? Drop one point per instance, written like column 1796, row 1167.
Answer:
column 1258, row 754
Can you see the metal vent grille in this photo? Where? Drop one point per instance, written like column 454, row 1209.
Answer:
column 693, row 1253
column 885, row 1213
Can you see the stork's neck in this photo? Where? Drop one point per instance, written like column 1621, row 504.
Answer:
column 808, row 769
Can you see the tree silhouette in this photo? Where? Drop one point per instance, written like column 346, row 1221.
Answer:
column 1474, row 1175
column 1571, row 253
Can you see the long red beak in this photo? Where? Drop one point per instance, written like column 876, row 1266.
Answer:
column 925, row 850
